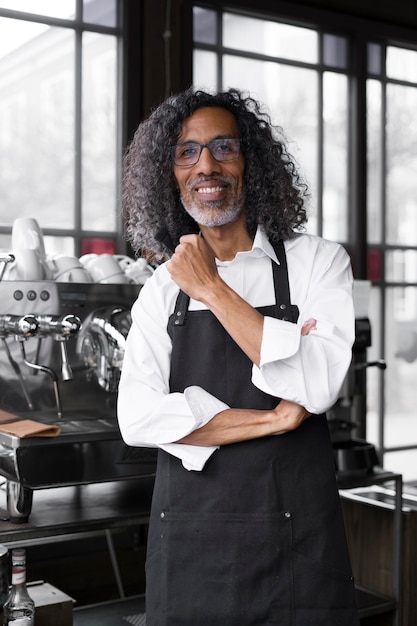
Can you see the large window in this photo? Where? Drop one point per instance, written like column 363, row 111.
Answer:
column 60, row 142
column 392, row 228
column 311, row 86
column 301, row 75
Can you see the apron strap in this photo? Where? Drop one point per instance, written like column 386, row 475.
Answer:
column 284, row 309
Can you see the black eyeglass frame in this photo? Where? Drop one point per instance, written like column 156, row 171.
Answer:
column 217, row 141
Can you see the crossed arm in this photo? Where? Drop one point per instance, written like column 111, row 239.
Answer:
column 194, row 270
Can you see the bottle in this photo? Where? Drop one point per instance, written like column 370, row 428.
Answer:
column 19, row 608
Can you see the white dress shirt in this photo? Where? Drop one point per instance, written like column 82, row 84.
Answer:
column 308, row 370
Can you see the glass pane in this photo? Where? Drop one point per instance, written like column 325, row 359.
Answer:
column 335, row 51
column 401, row 266
column 15, row 34
column 99, row 140
column 59, row 245
column 335, row 153
column 290, row 95
column 374, row 376
column 401, row 165
column 103, row 12
column 271, row 38
column 204, row 25
column 374, row 158
column 51, row 8
column 37, row 125
column 402, row 64
column 374, row 58
column 401, row 373
column 403, row 462
column 205, row 70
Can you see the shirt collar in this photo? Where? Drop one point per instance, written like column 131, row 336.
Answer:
column 262, row 243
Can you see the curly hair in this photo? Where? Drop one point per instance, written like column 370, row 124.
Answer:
column 274, row 191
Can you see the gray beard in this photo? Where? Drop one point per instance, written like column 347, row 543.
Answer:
column 212, row 214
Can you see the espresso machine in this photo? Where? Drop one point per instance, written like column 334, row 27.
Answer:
column 61, row 352
column 355, row 457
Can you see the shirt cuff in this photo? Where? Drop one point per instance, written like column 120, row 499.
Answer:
column 192, row 457
column 203, row 407
column 280, row 340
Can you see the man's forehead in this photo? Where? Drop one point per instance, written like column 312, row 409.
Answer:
column 209, row 122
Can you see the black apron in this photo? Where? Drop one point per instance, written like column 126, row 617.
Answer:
column 257, row 537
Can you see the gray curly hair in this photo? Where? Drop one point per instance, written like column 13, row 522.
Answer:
column 274, row 191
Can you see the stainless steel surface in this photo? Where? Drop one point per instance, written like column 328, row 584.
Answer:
column 19, row 502
column 61, row 352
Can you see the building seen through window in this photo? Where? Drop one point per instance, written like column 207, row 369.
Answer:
column 59, row 139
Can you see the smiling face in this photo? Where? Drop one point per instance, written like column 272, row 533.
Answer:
column 211, row 191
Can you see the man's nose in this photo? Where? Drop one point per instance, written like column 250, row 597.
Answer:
column 206, row 162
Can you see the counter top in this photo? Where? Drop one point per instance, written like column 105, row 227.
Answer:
column 79, row 509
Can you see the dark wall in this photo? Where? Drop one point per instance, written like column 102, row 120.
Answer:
column 162, row 56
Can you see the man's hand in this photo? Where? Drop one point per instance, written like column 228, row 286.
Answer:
column 193, row 267
column 234, row 425
column 289, row 416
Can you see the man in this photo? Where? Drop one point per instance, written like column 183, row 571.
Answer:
column 238, row 345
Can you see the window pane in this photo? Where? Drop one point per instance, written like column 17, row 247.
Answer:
column 205, row 70
column 102, row 12
column 404, row 461
column 15, row 34
column 335, row 153
column 99, row 141
column 374, row 158
column 36, row 126
column 270, row 38
column 373, row 374
column 374, row 58
column 290, row 95
column 59, row 245
column 205, row 25
column 401, row 164
column 335, row 51
column 402, row 64
column 401, row 357
column 401, row 266
column 51, row 8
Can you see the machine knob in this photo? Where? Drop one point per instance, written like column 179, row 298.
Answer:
column 64, row 326
column 22, row 326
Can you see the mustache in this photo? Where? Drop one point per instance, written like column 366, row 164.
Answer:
column 228, row 180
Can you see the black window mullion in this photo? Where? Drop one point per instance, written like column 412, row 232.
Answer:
column 78, row 143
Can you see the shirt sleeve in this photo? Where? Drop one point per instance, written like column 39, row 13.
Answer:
column 148, row 414
column 310, row 370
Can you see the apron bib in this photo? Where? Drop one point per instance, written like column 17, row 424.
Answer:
column 257, row 537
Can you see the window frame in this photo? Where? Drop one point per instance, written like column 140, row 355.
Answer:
column 78, row 26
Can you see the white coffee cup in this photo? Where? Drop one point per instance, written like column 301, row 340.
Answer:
column 124, row 261
column 104, row 268
column 139, row 271
column 68, row 269
column 86, row 258
column 28, row 265
column 27, row 235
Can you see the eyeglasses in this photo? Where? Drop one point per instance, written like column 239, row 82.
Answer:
column 188, row 153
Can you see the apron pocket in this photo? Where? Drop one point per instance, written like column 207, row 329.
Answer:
column 229, row 569
column 323, row 595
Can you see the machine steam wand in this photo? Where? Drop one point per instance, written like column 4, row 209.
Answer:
column 46, row 370
column 22, row 327
column 60, row 328
column 5, row 258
